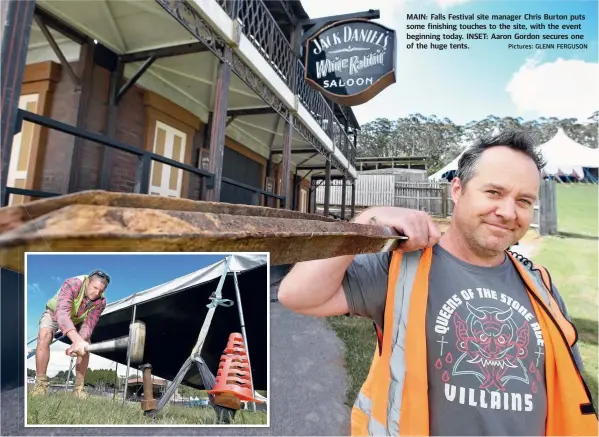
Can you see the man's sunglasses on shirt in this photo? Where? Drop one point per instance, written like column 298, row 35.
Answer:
column 101, row 274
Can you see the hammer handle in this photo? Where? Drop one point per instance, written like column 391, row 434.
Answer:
column 105, row 346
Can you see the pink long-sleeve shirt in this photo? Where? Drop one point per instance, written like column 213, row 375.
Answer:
column 68, row 293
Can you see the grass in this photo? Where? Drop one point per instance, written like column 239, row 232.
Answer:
column 359, row 339
column 62, row 408
column 572, row 261
column 577, row 197
column 573, row 267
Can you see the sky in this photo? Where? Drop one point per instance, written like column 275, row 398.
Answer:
column 129, row 273
column 489, row 78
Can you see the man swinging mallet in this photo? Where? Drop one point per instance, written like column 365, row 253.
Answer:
column 80, row 301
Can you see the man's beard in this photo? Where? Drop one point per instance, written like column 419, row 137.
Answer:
column 478, row 242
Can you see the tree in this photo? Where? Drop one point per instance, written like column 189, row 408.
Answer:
column 60, row 377
column 101, row 378
column 440, row 140
column 187, row 392
column 375, row 138
column 416, row 135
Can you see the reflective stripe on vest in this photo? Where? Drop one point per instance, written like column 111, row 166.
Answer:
column 51, row 304
column 540, row 279
column 388, row 397
column 380, row 406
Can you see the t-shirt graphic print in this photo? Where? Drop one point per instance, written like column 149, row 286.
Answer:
column 485, row 351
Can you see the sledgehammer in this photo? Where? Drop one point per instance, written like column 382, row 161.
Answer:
column 135, row 341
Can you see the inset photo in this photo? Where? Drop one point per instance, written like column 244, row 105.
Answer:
column 147, row 339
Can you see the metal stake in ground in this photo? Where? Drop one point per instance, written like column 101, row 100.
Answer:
column 149, row 403
column 207, row 378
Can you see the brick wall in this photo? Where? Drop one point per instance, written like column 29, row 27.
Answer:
column 129, row 130
column 63, row 149
column 59, row 146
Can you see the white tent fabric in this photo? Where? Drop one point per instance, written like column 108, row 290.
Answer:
column 260, row 397
column 239, row 263
column 564, row 156
column 453, row 165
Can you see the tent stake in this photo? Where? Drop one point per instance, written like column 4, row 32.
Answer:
column 244, row 335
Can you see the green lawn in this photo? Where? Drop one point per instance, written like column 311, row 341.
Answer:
column 63, row 409
column 359, row 339
column 577, row 209
column 573, row 266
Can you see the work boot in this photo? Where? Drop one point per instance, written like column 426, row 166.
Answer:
column 79, row 392
column 41, row 386
column 79, row 389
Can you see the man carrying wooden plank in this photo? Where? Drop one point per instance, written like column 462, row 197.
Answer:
column 472, row 339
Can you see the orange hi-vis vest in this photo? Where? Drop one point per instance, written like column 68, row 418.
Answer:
column 394, row 398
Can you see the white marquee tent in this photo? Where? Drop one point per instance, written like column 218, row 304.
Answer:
column 453, row 165
column 564, row 157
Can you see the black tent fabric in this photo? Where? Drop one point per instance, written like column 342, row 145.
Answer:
column 174, row 320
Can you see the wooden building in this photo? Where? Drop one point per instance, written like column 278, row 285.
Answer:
column 380, row 163
column 204, row 100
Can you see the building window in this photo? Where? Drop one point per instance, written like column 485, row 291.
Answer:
column 171, row 131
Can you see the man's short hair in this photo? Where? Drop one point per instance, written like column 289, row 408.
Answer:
column 520, row 140
column 99, row 275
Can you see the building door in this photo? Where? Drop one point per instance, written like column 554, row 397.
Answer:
column 18, row 169
column 169, row 142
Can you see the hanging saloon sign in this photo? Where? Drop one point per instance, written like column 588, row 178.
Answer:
column 351, row 61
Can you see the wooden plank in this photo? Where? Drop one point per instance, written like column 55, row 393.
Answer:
column 552, row 207
column 542, row 209
column 547, row 208
column 92, row 228
column 12, row 217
